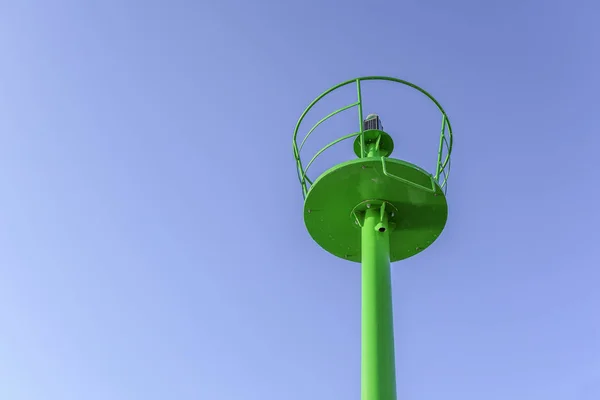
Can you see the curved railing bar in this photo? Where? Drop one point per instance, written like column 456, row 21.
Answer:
column 311, row 105
column 440, row 165
column 323, row 120
column 371, row 78
column 321, row 151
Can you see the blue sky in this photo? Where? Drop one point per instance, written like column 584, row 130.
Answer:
column 151, row 236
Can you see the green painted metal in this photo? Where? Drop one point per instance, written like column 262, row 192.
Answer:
column 443, row 163
column 325, row 119
column 378, row 372
column 360, row 118
column 322, row 150
column 380, row 139
column 329, row 206
column 375, row 210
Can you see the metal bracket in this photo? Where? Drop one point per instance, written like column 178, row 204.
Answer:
column 358, row 212
column 413, row 184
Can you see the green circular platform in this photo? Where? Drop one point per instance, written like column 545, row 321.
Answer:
column 418, row 203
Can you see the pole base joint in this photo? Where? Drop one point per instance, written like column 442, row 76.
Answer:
column 388, row 214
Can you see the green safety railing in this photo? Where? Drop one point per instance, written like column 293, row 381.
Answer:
column 442, row 170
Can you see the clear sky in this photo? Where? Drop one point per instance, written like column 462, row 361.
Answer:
column 151, row 236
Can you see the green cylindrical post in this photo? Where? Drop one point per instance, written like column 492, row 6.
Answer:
column 378, row 364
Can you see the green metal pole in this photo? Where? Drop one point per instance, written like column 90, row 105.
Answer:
column 378, row 375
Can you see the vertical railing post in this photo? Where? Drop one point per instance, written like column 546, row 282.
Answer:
column 360, row 119
column 440, row 148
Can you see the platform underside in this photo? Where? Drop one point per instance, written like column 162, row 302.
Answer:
column 421, row 206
